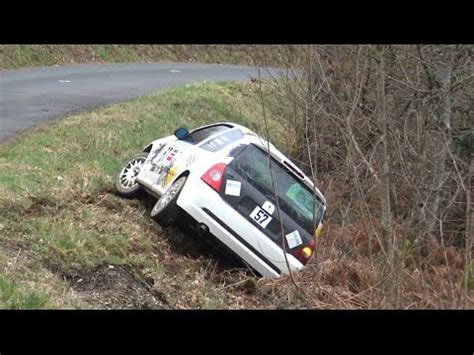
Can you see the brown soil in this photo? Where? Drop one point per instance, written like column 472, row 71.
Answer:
column 116, row 287
column 15, row 250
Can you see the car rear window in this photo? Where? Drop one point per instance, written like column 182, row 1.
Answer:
column 294, row 197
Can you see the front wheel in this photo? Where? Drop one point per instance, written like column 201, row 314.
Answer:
column 166, row 212
column 126, row 181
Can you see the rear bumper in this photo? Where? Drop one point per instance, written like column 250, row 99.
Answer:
column 206, row 206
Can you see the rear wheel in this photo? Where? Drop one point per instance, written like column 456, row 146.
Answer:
column 126, row 183
column 166, row 212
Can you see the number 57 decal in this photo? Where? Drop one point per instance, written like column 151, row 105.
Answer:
column 260, row 216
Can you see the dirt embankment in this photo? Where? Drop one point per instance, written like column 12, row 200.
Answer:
column 21, row 56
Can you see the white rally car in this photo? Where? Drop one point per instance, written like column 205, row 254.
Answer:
column 225, row 177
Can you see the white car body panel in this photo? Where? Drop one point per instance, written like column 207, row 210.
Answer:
column 195, row 204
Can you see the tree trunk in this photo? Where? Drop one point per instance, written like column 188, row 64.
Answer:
column 384, row 167
column 437, row 154
column 384, row 176
column 469, row 242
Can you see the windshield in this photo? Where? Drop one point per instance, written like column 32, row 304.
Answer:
column 294, row 197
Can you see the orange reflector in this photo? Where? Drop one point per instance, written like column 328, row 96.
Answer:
column 307, row 252
column 319, row 231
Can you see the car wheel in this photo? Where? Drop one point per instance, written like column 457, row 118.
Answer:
column 165, row 212
column 126, row 183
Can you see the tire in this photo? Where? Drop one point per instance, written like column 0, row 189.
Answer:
column 125, row 182
column 166, row 212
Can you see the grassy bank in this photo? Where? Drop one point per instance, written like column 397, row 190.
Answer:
column 67, row 240
column 20, row 56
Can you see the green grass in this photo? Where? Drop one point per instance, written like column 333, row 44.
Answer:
column 20, row 56
column 12, row 298
column 26, row 284
column 57, row 199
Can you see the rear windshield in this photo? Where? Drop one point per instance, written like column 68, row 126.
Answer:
column 294, row 197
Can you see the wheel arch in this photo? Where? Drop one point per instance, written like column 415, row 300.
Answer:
column 184, row 173
column 175, row 178
column 147, row 149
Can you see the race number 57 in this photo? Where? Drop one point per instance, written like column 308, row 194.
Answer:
column 260, row 216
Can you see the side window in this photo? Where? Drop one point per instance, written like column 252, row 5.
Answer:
column 222, row 140
column 201, row 134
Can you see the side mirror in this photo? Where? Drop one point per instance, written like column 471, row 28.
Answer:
column 181, row 133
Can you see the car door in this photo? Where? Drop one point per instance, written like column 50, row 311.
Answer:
column 173, row 158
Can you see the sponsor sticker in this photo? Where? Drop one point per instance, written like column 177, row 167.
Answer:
column 293, row 239
column 232, row 187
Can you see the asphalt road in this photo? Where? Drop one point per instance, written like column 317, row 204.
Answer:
column 31, row 96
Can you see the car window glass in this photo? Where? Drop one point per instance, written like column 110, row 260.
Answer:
column 222, row 140
column 294, row 198
column 199, row 135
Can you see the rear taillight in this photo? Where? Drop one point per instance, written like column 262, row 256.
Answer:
column 214, row 176
column 304, row 252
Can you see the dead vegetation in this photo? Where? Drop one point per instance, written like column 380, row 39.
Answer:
column 379, row 129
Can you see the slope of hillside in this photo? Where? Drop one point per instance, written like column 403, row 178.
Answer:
column 67, row 240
